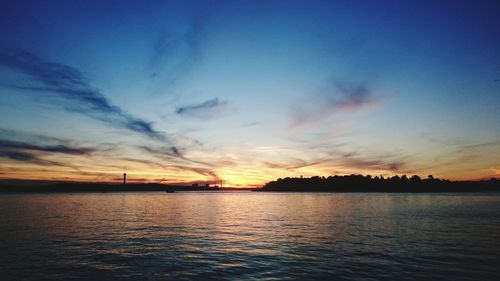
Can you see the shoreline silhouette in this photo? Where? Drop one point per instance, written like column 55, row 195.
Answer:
column 360, row 183
column 347, row 183
column 100, row 187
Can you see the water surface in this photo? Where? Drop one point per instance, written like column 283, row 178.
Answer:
column 268, row 236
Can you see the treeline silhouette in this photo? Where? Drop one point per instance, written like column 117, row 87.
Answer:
column 360, row 183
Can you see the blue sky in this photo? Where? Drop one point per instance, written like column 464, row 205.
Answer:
column 247, row 91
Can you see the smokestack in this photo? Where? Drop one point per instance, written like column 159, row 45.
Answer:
column 124, row 178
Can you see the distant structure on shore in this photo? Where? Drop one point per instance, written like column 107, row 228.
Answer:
column 124, row 178
column 206, row 186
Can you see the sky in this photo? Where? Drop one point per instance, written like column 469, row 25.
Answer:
column 248, row 91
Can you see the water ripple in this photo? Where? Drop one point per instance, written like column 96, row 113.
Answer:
column 154, row 236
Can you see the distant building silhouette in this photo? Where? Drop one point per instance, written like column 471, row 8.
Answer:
column 124, row 178
column 205, row 186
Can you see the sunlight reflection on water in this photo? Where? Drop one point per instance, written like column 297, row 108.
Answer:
column 183, row 236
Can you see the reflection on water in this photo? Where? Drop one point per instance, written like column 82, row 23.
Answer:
column 184, row 236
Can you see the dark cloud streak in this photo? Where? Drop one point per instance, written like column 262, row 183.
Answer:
column 79, row 96
column 32, row 153
column 28, row 157
column 14, row 145
column 173, row 155
column 17, row 155
column 207, row 109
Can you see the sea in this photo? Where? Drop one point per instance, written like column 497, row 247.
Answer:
column 249, row 236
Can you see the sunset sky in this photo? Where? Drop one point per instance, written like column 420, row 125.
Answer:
column 248, row 91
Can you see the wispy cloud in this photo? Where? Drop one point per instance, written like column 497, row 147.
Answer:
column 207, row 109
column 295, row 164
column 473, row 152
column 78, row 95
column 163, row 44
column 14, row 145
column 348, row 161
column 179, row 53
column 170, row 152
column 341, row 96
column 34, row 153
column 372, row 164
column 170, row 166
column 353, row 96
column 17, row 155
column 172, row 157
column 250, row 124
column 477, row 146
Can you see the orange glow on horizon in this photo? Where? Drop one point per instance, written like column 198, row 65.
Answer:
column 230, row 177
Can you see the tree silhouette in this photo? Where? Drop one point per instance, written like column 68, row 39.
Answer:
column 355, row 183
